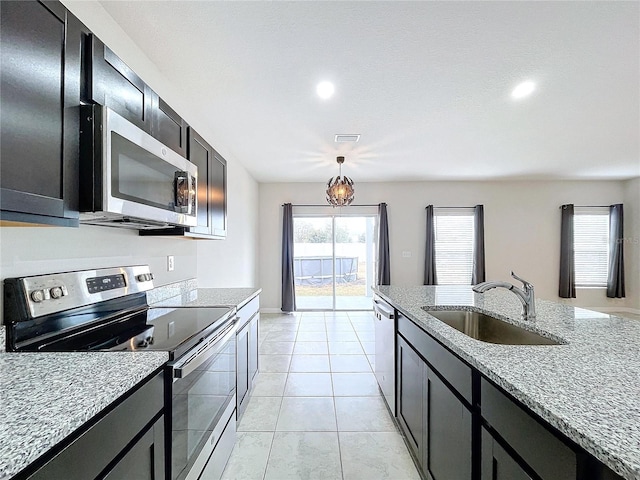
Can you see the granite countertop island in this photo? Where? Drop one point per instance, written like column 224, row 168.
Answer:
column 44, row 397
column 588, row 387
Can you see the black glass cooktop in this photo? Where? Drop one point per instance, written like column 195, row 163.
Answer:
column 174, row 330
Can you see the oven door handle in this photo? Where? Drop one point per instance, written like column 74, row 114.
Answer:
column 204, row 352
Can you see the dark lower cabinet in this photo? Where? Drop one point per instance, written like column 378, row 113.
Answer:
column 242, row 365
column 39, row 113
column 145, row 459
column 254, row 333
column 246, row 353
column 448, row 432
column 127, row 443
column 542, row 451
column 497, row 464
column 461, row 426
column 436, row 424
column 411, row 380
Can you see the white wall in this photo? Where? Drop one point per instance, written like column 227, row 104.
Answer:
column 632, row 241
column 522, row 227
column 217, row 263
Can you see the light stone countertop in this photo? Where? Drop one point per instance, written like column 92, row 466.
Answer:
column 208, row 297
column 44, row 397
column 588, row 388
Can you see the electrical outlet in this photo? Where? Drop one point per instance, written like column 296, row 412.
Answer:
column 171, row 264
column 406, row 254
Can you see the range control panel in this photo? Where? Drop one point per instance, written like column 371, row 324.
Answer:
column 47, row 294
column 106, row 282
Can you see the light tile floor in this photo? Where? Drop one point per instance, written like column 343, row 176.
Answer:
column 316, row 411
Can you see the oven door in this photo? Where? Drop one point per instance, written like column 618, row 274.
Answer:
column 203, row 401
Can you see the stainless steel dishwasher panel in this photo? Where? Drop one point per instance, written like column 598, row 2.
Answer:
column 385, row 331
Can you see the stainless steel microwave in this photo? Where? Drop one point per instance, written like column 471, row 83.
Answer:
column 128, row 178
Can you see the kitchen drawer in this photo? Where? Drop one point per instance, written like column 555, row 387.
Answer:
column 550, row 457
column 450, row 367
column 248, row 311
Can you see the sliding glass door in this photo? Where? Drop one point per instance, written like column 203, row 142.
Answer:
column 334, row 261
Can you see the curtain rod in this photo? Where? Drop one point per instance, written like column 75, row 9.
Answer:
column 354, row 205
column 588, row 206
column 446, row 207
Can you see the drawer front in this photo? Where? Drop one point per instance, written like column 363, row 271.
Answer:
column 454, row 370
column 248, row 311
column 545, row 453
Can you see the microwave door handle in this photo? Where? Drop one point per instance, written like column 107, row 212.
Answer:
column 193, row 191
column 182, row 192
column 183, row 369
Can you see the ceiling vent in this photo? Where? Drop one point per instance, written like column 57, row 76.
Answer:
column 347, row 137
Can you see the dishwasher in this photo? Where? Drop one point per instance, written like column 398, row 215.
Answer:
column 385, row 331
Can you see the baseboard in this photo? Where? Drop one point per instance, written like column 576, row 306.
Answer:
column 271, row 310
column 635, row 311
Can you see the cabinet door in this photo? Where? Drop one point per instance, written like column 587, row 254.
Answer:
column 40, row 99
column 447, row 445
column 115, row 85
column 218, row 196
column 410, row 406
column 169, row 127
column 145, row 459
column 497, row 464
column 200, row 153
column 242, row 384
column 253, row 347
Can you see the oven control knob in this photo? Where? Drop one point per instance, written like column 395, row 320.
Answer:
column 56, row 292
column 37, row 296
column 142, row 277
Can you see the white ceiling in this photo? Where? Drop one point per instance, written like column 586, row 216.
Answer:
column 426, row 84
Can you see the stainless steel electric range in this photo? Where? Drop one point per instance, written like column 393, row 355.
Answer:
column 107, row 310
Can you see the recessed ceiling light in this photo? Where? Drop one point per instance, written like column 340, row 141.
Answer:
column 523, row 90
column 325, row 90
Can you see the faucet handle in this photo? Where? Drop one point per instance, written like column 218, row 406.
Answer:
column 527, row 285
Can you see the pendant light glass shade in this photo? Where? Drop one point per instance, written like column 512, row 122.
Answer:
column 340, row 192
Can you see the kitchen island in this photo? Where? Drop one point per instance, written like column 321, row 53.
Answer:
column 588, row 387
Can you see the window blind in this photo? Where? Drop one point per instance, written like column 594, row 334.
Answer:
column 591, row 247
column 454, row 245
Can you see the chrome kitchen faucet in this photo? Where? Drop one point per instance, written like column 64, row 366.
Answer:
column 525, row 294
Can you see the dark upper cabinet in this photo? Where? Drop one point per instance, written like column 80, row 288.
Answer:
column 201, row 154
column 169, row 127
column 110, row 82
column 41, row 60
column 212, row 192
column 218, row 196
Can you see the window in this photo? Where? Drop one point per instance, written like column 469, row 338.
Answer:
column 453, row 245
column 591, row 246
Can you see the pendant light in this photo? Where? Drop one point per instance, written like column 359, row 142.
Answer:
column 340, row 190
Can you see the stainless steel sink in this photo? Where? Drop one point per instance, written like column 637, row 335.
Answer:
column 489, row 329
